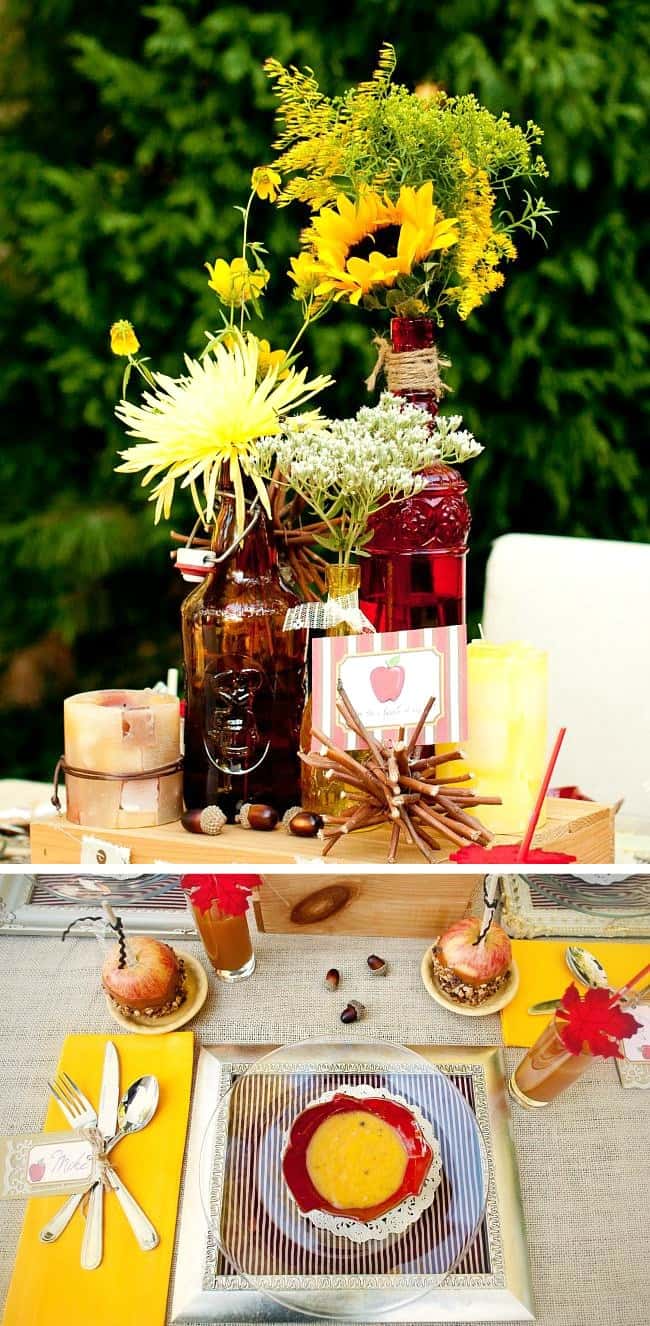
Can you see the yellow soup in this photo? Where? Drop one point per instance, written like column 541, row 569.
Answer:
column 355, row 1160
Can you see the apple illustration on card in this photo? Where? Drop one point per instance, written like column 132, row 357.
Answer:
column 36, row 1171
column 387, row 681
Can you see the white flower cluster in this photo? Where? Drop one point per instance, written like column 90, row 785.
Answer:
column 456, row 444
column 349, row 468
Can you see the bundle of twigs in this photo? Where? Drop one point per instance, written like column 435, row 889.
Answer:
column 397, row 787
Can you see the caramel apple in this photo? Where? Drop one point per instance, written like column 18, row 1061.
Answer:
column 466, row 970
column 151, row 981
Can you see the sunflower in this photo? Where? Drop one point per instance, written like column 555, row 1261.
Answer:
column 342, row 243
column 194, row 425
column 373, row 242
column 423, row 227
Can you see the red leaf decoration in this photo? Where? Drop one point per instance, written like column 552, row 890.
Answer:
column 594, row 1022
column 229, row 892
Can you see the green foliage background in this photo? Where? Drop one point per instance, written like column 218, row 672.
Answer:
column 127, row 134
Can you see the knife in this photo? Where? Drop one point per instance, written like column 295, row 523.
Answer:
column 550, row 1005
column 109, row 1096
column 547, row 1006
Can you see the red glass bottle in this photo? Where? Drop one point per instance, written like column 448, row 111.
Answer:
column 244, row 677
column 415, row 574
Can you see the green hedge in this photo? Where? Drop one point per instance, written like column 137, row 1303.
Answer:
column 127, row 134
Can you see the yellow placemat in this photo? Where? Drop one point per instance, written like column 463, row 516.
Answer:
column 543, row 974
column 48, row 1286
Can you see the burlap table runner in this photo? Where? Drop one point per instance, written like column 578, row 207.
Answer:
column 583, row 1164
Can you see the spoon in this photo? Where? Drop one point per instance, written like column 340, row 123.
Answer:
column 585, row 967
column 135, row 1110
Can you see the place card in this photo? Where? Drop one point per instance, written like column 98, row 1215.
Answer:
column 389, row 677
column 46, row 1164
column 634, row 1068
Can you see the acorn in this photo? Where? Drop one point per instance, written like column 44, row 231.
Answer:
column 378, row 966
column 353, row 1012
column 304, row 823
column 332, row 979
column 257, row 816
column 209, row 820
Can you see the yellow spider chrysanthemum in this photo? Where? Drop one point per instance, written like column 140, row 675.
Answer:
column 195, row 425
column 265, row 182
column 375, row 241
column 236, row 283
column 123, row 338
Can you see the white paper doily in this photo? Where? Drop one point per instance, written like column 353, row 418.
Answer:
column 409, row 1210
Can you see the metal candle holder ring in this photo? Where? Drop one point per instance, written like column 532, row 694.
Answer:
column 141, row 776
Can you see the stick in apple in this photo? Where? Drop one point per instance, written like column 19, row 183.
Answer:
column 115, row 923
column 490, row 891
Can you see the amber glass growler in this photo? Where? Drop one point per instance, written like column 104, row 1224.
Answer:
column 244, row 675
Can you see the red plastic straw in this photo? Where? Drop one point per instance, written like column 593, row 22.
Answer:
column 630, row 984
column 532, row 823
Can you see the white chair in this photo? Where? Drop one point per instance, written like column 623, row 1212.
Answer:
column 587, row 602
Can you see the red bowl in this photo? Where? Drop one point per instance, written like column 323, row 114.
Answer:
column 294, row 1161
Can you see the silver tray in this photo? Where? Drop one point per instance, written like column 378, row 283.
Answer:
column 491, row 1283
column 528, row 912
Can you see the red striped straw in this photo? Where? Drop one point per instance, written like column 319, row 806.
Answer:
column 532, row 823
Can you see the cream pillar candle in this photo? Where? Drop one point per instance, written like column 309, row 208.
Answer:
column 122, row 732
column 507, row 687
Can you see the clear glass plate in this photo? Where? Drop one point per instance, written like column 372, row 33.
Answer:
column 589, row 893
column 259, row 1230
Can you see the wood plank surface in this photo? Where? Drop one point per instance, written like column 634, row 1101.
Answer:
column 582, row 828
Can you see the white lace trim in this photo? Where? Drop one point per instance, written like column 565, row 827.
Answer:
column 341, row 611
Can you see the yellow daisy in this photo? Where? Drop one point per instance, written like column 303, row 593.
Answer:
column 193, row 426
column 265, row 182
column 236, row 283
column 123, row 338
column 306, row 274
column 268, row 359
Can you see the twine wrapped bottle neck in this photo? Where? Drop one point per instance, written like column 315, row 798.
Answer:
column 410, row 362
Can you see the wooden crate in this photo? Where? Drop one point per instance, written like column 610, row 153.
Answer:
column 581, row 828
column 392, row 904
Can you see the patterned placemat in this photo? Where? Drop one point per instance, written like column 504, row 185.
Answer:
column 265, row 1232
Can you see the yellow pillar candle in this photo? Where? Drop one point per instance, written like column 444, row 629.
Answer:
column 507, row 688
column 122, row 732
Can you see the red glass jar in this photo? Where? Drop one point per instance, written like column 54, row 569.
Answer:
column 244, row 676
column 415, row 574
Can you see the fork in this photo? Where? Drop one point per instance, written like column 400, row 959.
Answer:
column 79, row 1113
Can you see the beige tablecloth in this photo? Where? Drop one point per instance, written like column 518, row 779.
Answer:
column 583, row 1163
